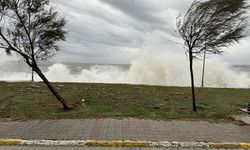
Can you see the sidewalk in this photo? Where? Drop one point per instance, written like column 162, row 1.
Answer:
column 125, row 129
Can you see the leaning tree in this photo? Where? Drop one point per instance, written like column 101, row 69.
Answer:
column 30, row 29
column 210, row 25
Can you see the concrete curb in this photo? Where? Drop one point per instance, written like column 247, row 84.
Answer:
column 126, row 143
column 10, row 141
column 230, row 145
column 118, row 143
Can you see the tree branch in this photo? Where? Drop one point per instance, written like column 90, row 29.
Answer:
column 26, row 57
column 27, row 32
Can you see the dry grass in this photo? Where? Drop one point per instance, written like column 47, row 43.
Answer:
column 21, row 101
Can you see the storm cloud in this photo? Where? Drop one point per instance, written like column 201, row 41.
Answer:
column 114, row 31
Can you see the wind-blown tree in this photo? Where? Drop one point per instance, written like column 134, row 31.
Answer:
column 30, row 29
column 209, row 26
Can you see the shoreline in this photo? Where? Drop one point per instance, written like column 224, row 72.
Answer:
column 132, row 84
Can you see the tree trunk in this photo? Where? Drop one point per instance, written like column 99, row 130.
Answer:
column 192, row 79
column 32, row 75
column 52, row 89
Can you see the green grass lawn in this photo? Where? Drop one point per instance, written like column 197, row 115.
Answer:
column 21, row 101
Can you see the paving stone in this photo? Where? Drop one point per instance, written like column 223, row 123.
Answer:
column 125, row 129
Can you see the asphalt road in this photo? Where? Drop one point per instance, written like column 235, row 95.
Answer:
column 87, row 148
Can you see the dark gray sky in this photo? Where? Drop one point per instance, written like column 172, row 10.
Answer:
column 117, row 31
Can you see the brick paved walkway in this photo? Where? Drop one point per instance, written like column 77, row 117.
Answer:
column 125, row 129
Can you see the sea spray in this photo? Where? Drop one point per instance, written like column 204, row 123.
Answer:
column 173, row 70
column 93, row 73
column 103, row 74
column 162, row 70
column 221, row 74
column 59, row 73
column 166, row 69
column 159, row 64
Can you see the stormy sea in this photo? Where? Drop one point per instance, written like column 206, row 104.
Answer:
column 148, row 71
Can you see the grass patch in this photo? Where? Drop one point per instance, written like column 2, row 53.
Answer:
column 22, row 101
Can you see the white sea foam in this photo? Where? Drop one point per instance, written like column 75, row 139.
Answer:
column 96, row 73
column 166, row 69
column 173, row 70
